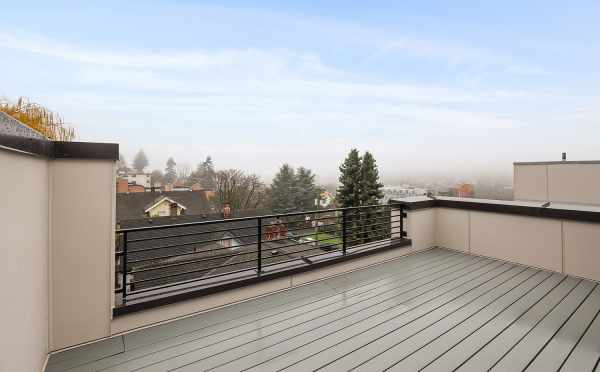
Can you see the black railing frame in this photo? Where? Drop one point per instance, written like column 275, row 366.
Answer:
column 123, row 253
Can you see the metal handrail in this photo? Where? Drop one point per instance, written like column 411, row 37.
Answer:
column 352, row 227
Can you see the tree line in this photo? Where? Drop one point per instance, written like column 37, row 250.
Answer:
column 292, row 189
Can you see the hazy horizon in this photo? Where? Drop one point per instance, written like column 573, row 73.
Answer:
column 461, row 89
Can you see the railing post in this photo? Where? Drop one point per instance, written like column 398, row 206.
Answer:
column 344, row 232
column 124, row 267
column 402, row 233
column 259, row 247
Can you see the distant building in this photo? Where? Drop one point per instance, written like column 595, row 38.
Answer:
column 326, row 199
column 404, row 191
column 142, row 179
column 465, row 190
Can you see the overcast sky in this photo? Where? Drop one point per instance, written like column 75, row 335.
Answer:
column 426, row 86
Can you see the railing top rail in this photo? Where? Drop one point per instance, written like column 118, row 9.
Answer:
column 240, row 219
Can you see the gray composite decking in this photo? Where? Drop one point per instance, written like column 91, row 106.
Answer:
column 437, row 310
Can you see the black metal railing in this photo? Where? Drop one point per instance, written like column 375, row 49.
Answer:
column 154, row 263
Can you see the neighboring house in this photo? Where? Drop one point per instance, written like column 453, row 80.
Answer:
column 132, row 206
column 142, row 179
column 164, row 206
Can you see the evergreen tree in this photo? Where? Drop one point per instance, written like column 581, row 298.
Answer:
column 370, row 187
column 348, row 193
column 206, row 175
column 373, row 220
column 170, row 172
column 140, row 161
column 283, row 190
column 305, row 189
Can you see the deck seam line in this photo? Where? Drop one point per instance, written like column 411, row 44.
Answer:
column 517, row 319
column 221, row 352
column 437, row 259
column 398, row 286
column 580, row 336
column 468, row 317
column 561, row 326
column 408, row 310
column 531, row 329
column 316, row 298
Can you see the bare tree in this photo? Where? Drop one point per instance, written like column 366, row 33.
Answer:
column 239, row 190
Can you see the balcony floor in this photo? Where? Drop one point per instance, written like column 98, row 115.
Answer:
column 437, row 310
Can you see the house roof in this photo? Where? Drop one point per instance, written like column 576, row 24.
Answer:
column 133, row 205
column 159, row 200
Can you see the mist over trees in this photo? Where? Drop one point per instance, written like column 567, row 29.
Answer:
column 292, row 189
column 140, row 161
column 170, row 171
column 205, row 174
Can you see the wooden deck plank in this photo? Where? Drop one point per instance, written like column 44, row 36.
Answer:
column 403, row 272
column 216, row 354
column 233, row 337
column 438, row 310
column 342, row 355
column 310, row 292
column 362, row 332
column 586, row 354
column 526, row 350
column 561, row 345
column 412, row 354
column 518, row 297
column 522, row 313
column 85, row 354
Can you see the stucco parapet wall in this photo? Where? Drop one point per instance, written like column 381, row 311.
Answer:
column 58, row 149
column 575, row 212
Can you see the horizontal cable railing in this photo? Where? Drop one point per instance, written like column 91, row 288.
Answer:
column 156, row 261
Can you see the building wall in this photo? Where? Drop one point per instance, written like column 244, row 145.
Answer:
column 570, row 247
column 81, row 250
column 574, row 183
column 452, row 229
column 567, row 182
column 530, row 241
column 23, row 262
column 420, row 227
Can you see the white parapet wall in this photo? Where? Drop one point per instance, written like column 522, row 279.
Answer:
column 528, row 233
column 81, row 250
column 566, row 182
column 23, row 262
column 57, row 244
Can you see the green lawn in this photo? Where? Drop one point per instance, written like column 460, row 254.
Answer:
column 326, row 239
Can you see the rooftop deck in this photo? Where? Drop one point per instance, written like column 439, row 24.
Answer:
column 437, row 310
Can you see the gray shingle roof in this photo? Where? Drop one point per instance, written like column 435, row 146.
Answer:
column 132, row 205
column 13, row 127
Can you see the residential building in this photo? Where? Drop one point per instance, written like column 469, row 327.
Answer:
column 139, row 178
column 131, row 206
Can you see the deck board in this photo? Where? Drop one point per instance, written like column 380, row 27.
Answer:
column 436, row 310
